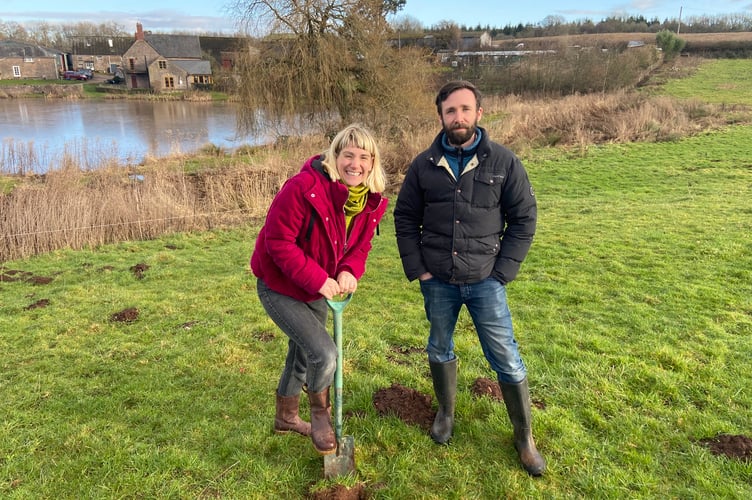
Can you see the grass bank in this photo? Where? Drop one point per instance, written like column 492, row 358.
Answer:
column 148, row 368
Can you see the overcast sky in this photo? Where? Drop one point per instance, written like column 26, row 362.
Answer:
column 215, row 15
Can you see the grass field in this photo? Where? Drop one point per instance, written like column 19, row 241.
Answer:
column 719, row 82
column 633, row 312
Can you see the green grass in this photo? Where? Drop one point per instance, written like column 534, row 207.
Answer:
column 31, row 81
column 633, row 312
column 719, row 81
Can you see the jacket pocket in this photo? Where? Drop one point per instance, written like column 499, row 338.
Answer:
column 487, row 188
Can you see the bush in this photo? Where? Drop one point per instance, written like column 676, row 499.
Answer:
column 669, row 43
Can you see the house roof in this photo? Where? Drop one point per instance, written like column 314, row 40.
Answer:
column 193, row 67
column 175, row 46
column 12, row 48
column 100, row 45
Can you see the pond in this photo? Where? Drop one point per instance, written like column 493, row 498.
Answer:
column 37, row 134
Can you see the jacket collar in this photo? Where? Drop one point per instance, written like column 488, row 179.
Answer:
column 436, row 150
column 316, row 163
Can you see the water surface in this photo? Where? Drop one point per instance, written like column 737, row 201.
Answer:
column 94, row 131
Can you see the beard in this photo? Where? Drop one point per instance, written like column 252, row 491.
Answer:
column 457, row 137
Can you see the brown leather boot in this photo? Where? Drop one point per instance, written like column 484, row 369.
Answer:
column 287, row 419
column 322, row 432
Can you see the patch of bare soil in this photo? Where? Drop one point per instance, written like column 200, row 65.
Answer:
column 486, row 387
column 341, row 492
column 39, row 280
column 139, row 269
column 409, row 405
column 128, row 315
column 38, row 304
column 9, row 275
column 264, row 336
column 738, row 447
column 490, row 388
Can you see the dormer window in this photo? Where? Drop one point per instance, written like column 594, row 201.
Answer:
column 162, row 64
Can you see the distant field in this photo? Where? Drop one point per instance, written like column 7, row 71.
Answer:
column 715, row 81
column 610, row 39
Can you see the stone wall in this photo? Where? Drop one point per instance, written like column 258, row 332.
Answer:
column 72, row 90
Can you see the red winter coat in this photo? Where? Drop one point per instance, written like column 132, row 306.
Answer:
column 303, row 241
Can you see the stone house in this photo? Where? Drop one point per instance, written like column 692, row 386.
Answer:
column 25, row 60
column 103, row 54
column 165, row 62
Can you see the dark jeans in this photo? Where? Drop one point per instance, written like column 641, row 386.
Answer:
column 311, row 353
column 486, row 301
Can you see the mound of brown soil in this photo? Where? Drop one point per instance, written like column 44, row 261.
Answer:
column 340, row 492
column 39, row 303
column 128, row 315
column 409, row 405
column 139, row 269
column 486, row 387
column 733, row 446
column 10, row 275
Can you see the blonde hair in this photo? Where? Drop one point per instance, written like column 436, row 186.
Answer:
column 358, row 136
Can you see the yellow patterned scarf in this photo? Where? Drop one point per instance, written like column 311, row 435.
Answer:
column 355, row 202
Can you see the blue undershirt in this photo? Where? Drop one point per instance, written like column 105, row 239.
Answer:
column 458, row 157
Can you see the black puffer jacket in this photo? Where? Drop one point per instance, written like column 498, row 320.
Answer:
column 463, row 231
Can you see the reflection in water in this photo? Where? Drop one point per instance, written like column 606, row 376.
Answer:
column 37, row 134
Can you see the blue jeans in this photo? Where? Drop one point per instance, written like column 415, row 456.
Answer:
column 311, row 352
column 486, row 301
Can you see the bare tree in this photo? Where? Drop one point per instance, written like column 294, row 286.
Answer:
column 329, row 58
column 13, row 30
column 448, row 35
column 407, row 24
column 59, row 36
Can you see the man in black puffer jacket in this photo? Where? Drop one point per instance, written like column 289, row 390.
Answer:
column 465, row 219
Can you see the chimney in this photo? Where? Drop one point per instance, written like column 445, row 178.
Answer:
column 139, row 31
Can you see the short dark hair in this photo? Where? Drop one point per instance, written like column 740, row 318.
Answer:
column 454, row 86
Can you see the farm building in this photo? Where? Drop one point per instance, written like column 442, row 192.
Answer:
column 165, row 62
column 25, row 60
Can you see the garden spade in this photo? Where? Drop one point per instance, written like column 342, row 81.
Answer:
column 342, row 462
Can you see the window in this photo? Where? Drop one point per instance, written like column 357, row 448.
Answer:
column 17, row 71
column 169, row 82
column 162, row 64
column 132, row 64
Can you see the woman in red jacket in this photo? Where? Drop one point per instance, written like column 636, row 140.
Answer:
column 314, row 245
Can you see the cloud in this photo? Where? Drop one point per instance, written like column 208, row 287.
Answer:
column 154, row 20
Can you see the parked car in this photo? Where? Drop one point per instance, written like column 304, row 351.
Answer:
column 89, row 73
column 74, row 75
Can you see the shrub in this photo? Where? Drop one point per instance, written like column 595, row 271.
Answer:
column 669, row 43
